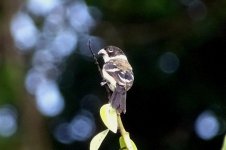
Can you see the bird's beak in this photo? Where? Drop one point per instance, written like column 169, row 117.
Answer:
column 102, row 52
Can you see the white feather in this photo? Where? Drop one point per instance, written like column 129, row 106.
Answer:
column 110, row 79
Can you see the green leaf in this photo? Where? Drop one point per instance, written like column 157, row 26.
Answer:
column 109, row 117
column 126, row 143
column 224, row 144
column 98, row 139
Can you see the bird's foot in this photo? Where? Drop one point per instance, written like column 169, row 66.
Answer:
column 103, row 82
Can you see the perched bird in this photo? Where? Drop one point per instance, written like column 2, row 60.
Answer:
column 118, row 75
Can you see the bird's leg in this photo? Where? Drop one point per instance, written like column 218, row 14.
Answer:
column 104, row 82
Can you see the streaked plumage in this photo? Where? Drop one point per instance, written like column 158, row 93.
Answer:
column 118, row 74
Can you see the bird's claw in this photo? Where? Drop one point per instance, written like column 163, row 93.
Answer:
column 103, row 83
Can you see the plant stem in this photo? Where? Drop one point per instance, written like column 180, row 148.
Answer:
column 124, row 133
column 120, row 125
column 99, row 69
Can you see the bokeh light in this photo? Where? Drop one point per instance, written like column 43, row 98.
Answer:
column 169, row 62
column 82, row 126
column 64, row 28
column 197, row 10
column 64, row 43
column 44, row 63
column 62, row 133
column 79, row 17
column 32, row 80
column 41, row 7
column 23, row 30
column 91, row 103
column 207, row 126
column 175, row 37
column 49, row 99
column 96, row 44
column 42, row 57
column 8, row 121
column 54, row 22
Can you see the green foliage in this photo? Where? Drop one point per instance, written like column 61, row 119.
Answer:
column 113, row 122
column 98, row 139
column 224, row 144
column 127, row 142
column 109, row 117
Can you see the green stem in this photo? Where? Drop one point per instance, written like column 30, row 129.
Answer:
column 120, row 125
column 124, row 133
column 224, row 144
column 99, row 69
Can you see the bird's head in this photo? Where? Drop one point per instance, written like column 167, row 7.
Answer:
column 111, row 52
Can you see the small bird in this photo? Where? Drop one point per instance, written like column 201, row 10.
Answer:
column 118, row 75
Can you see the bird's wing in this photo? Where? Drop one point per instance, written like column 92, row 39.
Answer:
column 123, row 75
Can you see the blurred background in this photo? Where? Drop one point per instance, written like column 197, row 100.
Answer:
column 50, row 91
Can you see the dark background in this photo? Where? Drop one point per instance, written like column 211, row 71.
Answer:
column 162, row 106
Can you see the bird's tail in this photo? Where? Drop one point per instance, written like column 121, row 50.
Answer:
column 118, row 99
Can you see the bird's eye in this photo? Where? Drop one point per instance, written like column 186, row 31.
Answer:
column 110, row 50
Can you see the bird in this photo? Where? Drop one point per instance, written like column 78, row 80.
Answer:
column 117, row 74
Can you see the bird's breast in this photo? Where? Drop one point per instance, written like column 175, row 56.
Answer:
column 111, row 81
